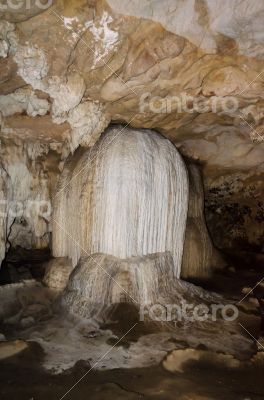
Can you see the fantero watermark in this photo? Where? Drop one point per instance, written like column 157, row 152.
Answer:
column 7, row 5
column 185, row 103
column 188, row 312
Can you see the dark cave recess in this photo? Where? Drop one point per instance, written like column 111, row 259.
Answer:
column 20, row 264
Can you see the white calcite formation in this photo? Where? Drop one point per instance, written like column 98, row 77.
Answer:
column 100, row 281
column 87, row 119
column 23, row 100
column 200, row 258
column 192, row 70
column 57, row 273
column 25, row 184
column 127, row 196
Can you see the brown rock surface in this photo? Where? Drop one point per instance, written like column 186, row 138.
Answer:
column 200, row 84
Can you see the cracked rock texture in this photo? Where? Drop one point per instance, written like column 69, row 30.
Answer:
column 190, row 69
column 28, row 173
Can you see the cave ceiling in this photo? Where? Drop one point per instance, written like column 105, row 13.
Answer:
column 192, row 70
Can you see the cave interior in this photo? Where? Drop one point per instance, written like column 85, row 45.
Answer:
column 131, row 199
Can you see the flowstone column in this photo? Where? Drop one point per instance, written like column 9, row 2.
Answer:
column 125, row 197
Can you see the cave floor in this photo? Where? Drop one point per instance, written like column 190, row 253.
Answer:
column 23, row 375
column 23, row 378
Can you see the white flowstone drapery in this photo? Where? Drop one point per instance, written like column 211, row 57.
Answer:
column 127, row 196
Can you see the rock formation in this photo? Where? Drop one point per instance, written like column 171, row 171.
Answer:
column 25, row 195
column 200, row 257
column 100, row 282
column 57, row 273
column 131, row 193
column 147, row 280
column 142, row 124
column 123, row 190
column 68, row 69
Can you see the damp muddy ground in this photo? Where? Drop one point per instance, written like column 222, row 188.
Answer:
column 23, row 378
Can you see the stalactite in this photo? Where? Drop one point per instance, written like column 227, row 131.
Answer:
column 125, row 197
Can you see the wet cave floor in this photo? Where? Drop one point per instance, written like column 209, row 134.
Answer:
column 23, row 376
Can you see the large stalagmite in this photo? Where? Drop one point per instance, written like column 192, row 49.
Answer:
column 142, row 281
column 127, row 196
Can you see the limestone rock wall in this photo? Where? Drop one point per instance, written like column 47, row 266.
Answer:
column 28, row 173
column 235, row 211
column 3, row 220
column 192, row 70
column 203, row 22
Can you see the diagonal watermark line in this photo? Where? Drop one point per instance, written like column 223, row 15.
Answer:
column 251, row 290
column 240, row 116
column 96, row 155
column 90, row 48
column 253, row 129
column 90, row 256
column 249, row 84
column 251, row 335
column 97, row 362
column 106, row 64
